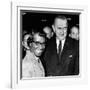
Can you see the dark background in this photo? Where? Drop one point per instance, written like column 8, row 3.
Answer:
column 30, row 19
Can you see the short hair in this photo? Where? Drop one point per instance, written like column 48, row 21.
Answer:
column 60, row 17
column 74, row 27
column 50, row 28
column 40, row 34
column 36, row 31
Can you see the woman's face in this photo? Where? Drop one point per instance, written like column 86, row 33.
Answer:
column 38, row 45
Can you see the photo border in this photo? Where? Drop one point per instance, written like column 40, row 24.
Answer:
column 15, row 35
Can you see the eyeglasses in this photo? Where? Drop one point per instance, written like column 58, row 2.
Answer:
column 39, row 43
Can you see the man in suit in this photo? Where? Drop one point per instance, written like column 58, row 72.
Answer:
column 62, row 53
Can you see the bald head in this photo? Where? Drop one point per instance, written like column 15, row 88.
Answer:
column 74, row 33
column 48, row 31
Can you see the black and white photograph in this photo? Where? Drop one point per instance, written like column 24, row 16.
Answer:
column 45, row 45
column 49, row 43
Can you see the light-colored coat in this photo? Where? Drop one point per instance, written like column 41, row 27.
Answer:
column 32, row 66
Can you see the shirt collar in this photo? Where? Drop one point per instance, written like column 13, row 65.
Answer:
column 32, row 55
column 62, row 41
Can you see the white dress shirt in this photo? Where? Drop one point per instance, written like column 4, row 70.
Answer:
column 57, row 43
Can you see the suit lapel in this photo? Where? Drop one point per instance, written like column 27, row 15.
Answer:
column 53, row 51
column 66, row 46
column 53, row 46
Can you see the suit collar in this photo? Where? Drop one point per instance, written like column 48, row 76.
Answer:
column 67, row 45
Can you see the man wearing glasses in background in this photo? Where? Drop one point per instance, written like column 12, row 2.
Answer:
column 31, row 64
column 62, row 54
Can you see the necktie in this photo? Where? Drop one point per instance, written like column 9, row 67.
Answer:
column 59, row 50
column 59, row 47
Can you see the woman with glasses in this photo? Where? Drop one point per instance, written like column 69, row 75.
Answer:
column 31, row 64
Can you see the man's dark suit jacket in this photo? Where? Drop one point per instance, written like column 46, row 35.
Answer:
column 69, row 62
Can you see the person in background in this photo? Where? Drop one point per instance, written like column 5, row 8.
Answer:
column 48, row 31
column 62, row 53
column 74, row 33
column 31, row 64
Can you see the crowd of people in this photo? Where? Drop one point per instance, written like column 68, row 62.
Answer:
column 51, row 51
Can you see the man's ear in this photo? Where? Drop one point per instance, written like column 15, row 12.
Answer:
column 53, row 28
